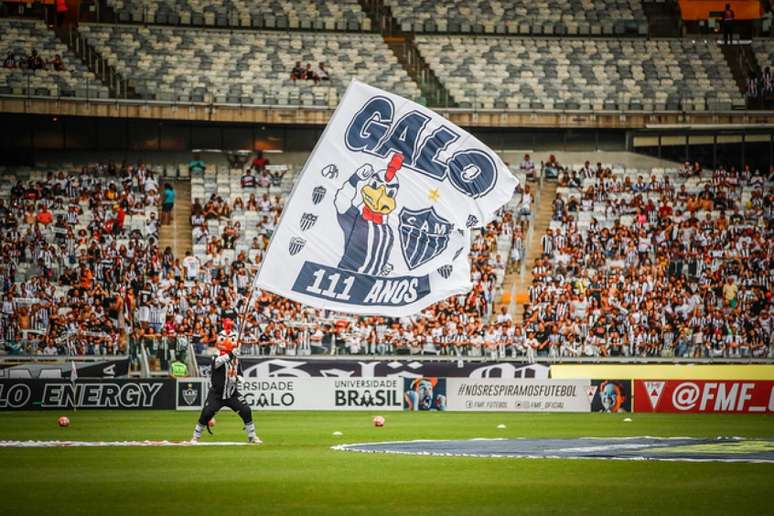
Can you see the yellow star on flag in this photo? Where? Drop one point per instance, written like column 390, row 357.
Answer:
column 434, row 194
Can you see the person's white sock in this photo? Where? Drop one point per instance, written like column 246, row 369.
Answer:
column 198, row 431
column 250, row 431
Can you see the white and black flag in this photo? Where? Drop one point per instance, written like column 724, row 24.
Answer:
column 395, row 189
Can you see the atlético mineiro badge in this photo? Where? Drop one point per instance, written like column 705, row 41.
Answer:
column 296, row 244
column 318, row 194
column 423, row 235
column 445, row 271
column 190, row 394
column 307, row 221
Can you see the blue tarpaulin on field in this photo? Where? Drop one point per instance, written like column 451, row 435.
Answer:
column 721, row 449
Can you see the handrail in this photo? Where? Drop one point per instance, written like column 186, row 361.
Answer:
column 440, row 109
column 438, row 358
column 144, row 365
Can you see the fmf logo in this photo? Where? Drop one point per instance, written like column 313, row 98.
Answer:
column 720, row 397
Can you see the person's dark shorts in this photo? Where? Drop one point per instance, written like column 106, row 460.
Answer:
column 166, row 208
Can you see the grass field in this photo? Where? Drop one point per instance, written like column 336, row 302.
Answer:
column 296, row 472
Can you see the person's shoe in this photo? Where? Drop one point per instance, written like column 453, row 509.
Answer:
column 194, row 440
column 255, row 440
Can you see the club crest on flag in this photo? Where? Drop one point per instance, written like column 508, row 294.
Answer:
column 296, row 244
column 318, row 194
column 472, row 221
column 445, row 271
column 307, row 221
column 423, row 235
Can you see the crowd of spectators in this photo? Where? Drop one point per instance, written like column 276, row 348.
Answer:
column 299, row 73
column 761, row 86
column 34, row 61
column 675, row 264
column 78, row 279
column 73, row 269
column 278, row 326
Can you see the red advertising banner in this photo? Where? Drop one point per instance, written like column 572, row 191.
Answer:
column 740, row 397
column 703, row 9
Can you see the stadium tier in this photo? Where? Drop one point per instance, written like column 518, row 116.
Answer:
column 295, row 14
column 635, row 262
column 234, row 214
column 577, row 17
column 245, row 67
column 254, row 67
column 530, row 73
column 644, row 262
column 76, row 235
column 764, row 51
column 18, row 76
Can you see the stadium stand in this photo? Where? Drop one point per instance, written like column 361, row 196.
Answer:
column 78, row 246
column 577, row 17
column 762, row 85
column 247, row 67
column 499, row 72
column 233, row 227
column 19, row 39
column 76, row 286
column 295, row 14
column 658, row 263
column 678, row 264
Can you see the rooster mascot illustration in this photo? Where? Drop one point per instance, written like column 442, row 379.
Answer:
column 363, row 205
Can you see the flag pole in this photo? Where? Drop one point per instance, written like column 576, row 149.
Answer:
column 73, row 379
column 242, row 317
column 297, row 181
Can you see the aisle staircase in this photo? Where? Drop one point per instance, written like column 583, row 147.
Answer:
column 402, row 44
column 178, row 235
column 119, row 87
column 743, row 63
column 516, row 284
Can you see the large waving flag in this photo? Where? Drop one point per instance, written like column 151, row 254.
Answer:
column 378, row 221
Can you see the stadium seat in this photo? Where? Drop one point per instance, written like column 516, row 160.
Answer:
column 239, row 65
column 459, row 15
column 571, row 73
column 20, row 37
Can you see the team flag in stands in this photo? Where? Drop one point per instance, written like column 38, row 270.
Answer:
column 378, row 221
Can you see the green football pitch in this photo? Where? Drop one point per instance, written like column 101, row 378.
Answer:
column 296, row 472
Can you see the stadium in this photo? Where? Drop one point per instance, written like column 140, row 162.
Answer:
column 386, row 256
